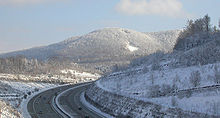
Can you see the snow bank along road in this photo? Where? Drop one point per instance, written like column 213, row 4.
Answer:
column 44, row 105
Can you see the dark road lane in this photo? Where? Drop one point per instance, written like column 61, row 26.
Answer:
column 71, row 99
column 40, row 106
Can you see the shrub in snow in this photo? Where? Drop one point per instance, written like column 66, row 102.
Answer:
column 36, row 89
column 195, row 78
column 157, row 91
column 188, row 94
column 152, row 78
column 173, row 101
column 29, row 93
column 166, row 89
column 25, row 96
column 154, row 91
column 155, row 65
column 180, row 95
column 174, row 86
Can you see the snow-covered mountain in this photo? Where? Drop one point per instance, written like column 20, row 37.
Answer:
column 104, row 45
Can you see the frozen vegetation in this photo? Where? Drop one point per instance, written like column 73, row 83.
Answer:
column 108, row 43
column 14, row 95
column 185, row 86
column 182, row 83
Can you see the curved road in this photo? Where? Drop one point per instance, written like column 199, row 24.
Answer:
column 40, row 106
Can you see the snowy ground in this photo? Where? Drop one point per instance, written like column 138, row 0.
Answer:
column 80, row 74
column 138, row 85
column 6, row 111
column 17, row 90
column 21, row 89
column 130, row 47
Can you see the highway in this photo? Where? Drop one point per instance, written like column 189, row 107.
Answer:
column 42, row 105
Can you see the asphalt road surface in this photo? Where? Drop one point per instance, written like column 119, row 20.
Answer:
column 40, row 106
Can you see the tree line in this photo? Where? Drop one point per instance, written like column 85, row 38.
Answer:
column 22, row 65
column 196, row 32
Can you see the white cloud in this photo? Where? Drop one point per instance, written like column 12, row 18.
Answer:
column 172, row 8
column 24, row 2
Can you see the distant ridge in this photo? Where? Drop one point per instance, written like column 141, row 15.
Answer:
column 107, row 44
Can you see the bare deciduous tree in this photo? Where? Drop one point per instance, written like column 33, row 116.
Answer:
column 217, row 75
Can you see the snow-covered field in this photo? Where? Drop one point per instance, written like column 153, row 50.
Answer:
column 67, row 76
column 16, row 90
column 139, row 86
column 80, row 74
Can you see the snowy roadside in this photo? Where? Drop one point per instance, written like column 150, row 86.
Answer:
column 91, row 107
column 140, row 86
column 25, row 91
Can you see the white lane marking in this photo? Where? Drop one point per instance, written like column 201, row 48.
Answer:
column 34, row 106
column 60, row 106
column 92, row 110
column 54, row 107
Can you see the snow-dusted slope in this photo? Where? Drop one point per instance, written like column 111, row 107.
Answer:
column 110, row 43
column 105, row 45
column 204, row 98
column 166, row 38
column 187, row 81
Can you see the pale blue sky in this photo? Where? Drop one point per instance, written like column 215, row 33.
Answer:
column 30, row 23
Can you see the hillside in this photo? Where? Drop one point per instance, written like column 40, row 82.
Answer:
column 180, row 84
column 160, row 93
column 166, row 38
column 103, row 45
